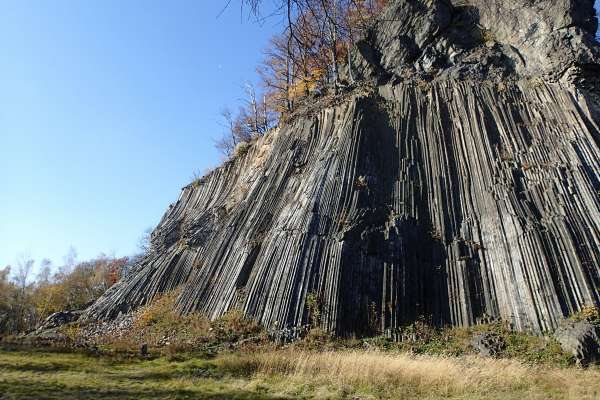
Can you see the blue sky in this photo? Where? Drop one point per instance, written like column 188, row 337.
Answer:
column 106, row 110
column 597, row 5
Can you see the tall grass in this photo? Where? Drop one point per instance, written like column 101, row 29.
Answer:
column 287, row 374
column 398, row 375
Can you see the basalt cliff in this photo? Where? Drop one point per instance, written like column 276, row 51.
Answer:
column 456, row 178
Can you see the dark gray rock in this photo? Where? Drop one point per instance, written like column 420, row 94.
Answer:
column 117, row 327
column 473, row 194
column 581, row 339
column 483, row 203
column 549, row 36
column 57, row 320
column 481, row 39
column 288, row 335
column 488, row 344
column 406, row 32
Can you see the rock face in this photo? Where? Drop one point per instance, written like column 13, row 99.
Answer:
column 487, row 344
column 55, row 320
column 464, row 184
column 581, row 339
column 483, row 39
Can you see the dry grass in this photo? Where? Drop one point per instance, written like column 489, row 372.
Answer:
column 231, row 355
column 286, row 374
column 487, row 36
column 387, row 375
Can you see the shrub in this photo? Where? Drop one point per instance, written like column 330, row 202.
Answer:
column 487, row 36
column 421, row 338
column 505, row 154
column 156, row 311
column 71, row 331
column 361, row 182
column 233, row 325
column 501, row 87
column 535, row 82
column 317, row 336
column 314, row 306
column 159, row 324
column 588, row 313
column 423, row 85
column 241, row 149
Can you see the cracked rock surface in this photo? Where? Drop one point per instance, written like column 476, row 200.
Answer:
column 581, row 339
column 474, row 194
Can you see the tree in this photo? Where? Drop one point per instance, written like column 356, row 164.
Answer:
column 69, row 261
column 24, row 302
column 145, row 241
column 317, row 39
column 226, row 144
column 276, row 73
column 254, row 118
column 45, row 273
column 7, row 289
column 24, row 267
column 23, row 317
column 305, row 58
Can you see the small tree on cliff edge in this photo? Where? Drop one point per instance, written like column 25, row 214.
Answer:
column 305, row 58
column 320, row 30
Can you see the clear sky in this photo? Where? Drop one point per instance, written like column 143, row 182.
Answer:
column 106, row 110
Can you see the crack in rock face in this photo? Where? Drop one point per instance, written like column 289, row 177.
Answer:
column 464, row 186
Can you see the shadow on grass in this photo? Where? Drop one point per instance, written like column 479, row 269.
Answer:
column 27, row 367
column 199, row 373
column 29, row 389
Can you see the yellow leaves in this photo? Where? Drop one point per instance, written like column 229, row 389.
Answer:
column 49, row 299
column 307, row 84
column 160, row 308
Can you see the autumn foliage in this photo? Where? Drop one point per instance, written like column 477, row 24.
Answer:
column 316, row 42
column 306, row 58
column 25, row 302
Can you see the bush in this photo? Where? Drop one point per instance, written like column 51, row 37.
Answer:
column 423, row 85
column 421, row 338
column 233, row 325
column 241, row 149
column 487, row 36
column 317, row 338
column 160, row 312
column 160, row 325
column 588, row 313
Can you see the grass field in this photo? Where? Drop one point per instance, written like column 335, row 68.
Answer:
column 286, row 374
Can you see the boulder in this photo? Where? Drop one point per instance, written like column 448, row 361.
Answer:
column 57, row 320
column 581, row 339
column 488, row 344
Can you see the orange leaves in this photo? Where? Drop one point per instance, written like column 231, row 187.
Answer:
column 306, row 57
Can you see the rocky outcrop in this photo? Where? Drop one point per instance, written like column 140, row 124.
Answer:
column 452, row 189
column 482, row 39
column 581, row 339
column 50, row 328
column 487, row 344
column 57, row 319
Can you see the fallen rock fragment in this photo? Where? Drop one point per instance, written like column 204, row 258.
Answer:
column 581, row 339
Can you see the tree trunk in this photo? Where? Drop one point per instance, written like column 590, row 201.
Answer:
column 350, row 75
